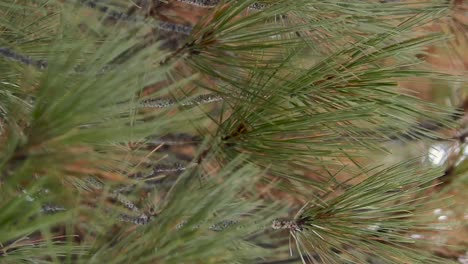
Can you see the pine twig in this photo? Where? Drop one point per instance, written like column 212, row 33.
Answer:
column 430, row 125
column 282, row 224
column 200, row 3
column 214, row 3
column 177, row 139
column 276, row 224
column 26, row 60
column 121, row 16
column 149, row 103
column 125, row 201
column 41, row 64
column 167, row 102
column 175, row 28
column 51, row 209
column 176, row 167
column 143, row 219
column 217, row 227
column 258, row 6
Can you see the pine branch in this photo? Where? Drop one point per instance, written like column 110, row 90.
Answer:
column 148, row 103
column 285, row 261
column 175, row 28
column 285, row 119
column 125, row 201
column 12, row 55
column 198, row 100
column 137, row 220
column 176, row 167
column 121, row 16
column 370, row 214
column 214, row 3
column 43, row 64
column 201, row 3
column 174, row 139
column 51, row 209
column 115, row 194
column 258, row 6
column 281, row 224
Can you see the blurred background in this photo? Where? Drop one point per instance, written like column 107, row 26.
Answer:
column 451, row 241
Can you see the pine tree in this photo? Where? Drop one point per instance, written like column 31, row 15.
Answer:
column 187, row 131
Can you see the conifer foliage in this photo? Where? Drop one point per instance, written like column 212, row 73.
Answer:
column 186, row 131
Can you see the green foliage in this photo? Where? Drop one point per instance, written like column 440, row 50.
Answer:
column 78, row 121
column 183, row 225
column 26, row 226
column 383, row 208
